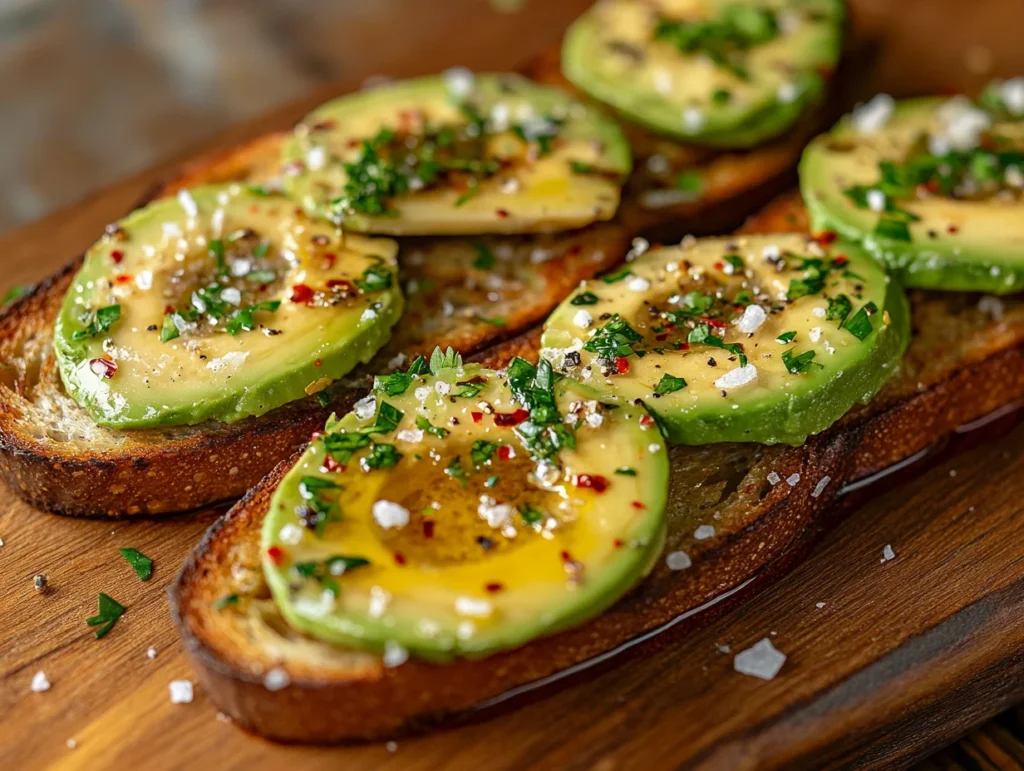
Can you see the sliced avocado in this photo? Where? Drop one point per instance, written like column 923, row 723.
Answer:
column 220, row 304
column 755, row 338
column 457, row 154
column 461, row 511
column 932, row 187
column 714, row 72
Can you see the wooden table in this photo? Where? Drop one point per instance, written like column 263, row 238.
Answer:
column 886, row 661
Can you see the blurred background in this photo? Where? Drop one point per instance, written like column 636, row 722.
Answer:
column 94, row 90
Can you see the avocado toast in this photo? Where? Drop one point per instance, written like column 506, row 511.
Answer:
column 320, row 692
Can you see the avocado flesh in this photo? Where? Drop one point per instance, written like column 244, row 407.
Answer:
column 534, row 191
column 611, row 53
column 160, row 255
column 957, row 245
column 776, row 406
column 470, row 585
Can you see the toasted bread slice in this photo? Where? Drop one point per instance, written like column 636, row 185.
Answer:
column 57, row 458
column 963, row 364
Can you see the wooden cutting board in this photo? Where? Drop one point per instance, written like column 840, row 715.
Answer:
column 887, row 661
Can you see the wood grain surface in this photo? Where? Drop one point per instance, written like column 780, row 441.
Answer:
column 901, row 657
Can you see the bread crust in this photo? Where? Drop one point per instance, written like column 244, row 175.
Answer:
column 335, row 696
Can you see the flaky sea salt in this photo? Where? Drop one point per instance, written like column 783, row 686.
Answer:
column 678, row 560
column 761, row 660
column 181, row 691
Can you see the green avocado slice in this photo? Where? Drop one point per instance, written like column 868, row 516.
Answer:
column 457, row 154
column 721, row 73
column 462, row 511
column 220, row 304
column 932, row 187
column 755, row 338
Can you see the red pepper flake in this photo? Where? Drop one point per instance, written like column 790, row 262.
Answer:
column 506, row 419
column 122, row 278
column 329, row 259
column 617, row 543
column 505, row 452
column 117, row 255
column 621, row 365
column 719, row 265
column 316, row 435
column 716, row 323
column 953, row 229
column 593, row 482
column 477, row 416
column 566, row 557
column 428, row 528
column 825, row 237
column 399, row 558
column 502, row 213
column 301, row 293
column 494, row 586
column 573, row 250
column 168, row 309
column 683, row 347
column 840, row 261
column 662, row 337
column 638, row 505
column 330, row 464
column 317, row 363
column 275, row 554
column 646, row 421
column 103, row 367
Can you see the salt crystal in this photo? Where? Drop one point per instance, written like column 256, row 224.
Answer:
column 459, row 80
column 365, row 408
column 735, row 378
column 819, row 605
column 151, row 653
column 181, row 691
column 874, row 114
column 888, row 553
column 276, row 679
column 762, row 660
column 678, row 560
column 389, row 514
column 693, row 119
column 793, row 479
column 704, row 532
column 773, row 478
column 820, row 487
column 582, row 319
column 471, row 606
column 395, row 654
column 752, row 319
column 40, row 682
column 876, row 200
column 290, row 534
column 639, row 284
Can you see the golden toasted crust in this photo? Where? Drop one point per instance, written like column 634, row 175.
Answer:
column 256, row 161
column 336, row 694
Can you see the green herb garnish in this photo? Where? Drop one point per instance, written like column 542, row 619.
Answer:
column 669, row 384
column 141, row 564
column 800, row 362
column 110, row 610
column 584, row 298
column 424, row 424
column 97, row 321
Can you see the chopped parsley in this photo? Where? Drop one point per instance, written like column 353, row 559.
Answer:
column 110, row 610
column 481, row 452
column 97, row 321
column 493, row 321
column 579, row 167
column 543, row 434
column 669, row 384
column 444, row 360
column 381, row 456
column 724, row 39
column 424, row 424
column 860, row 324
column 484, row 257
column 314, row 491
column 689, row 182
column 141, row 564
column 800, row 362
column 326, row 573
column 374, row 279
column 616, row 338
column 12, row 294
column 702, row 335
column 625, row 471
column 397, row 383
column 893, row 229
column 227, row 599
column 530, row 515
column 456, row 470
column 617, row 275
column 786, row 337
column 584, row 298
column 839, row 307
column 242, row 320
